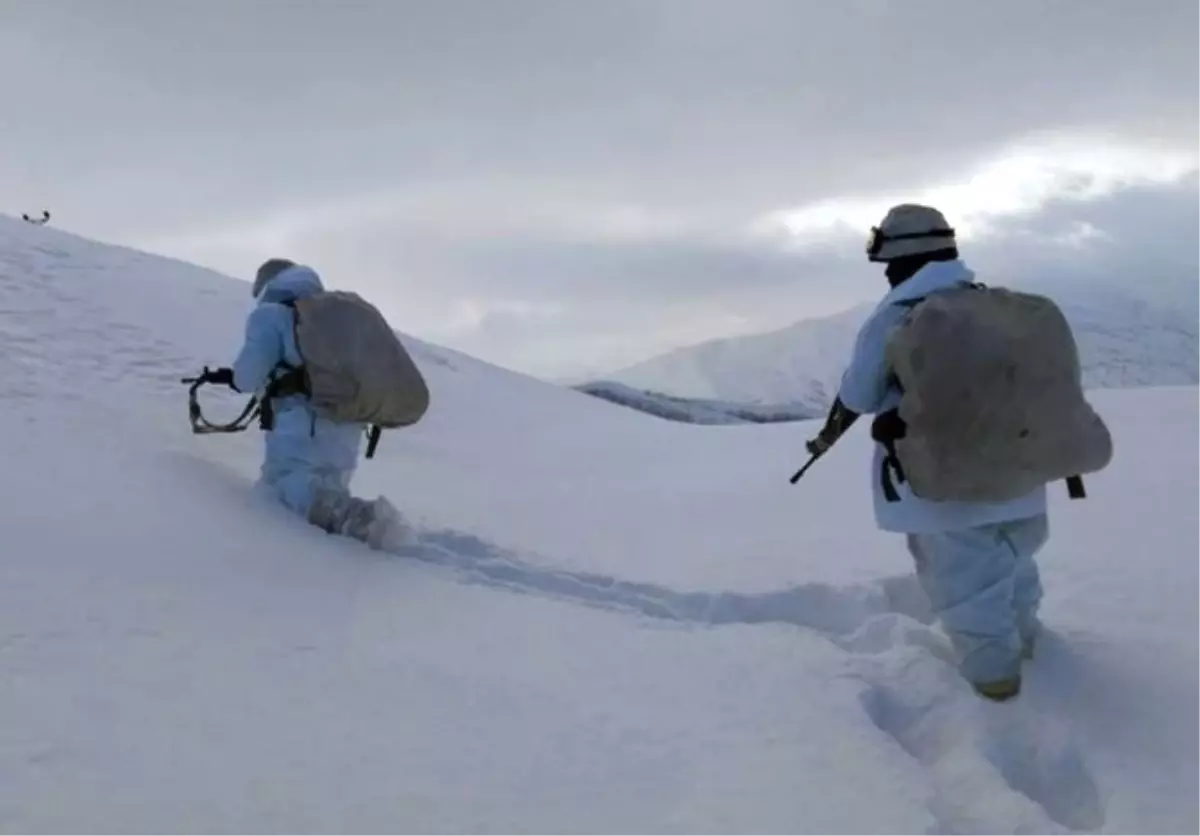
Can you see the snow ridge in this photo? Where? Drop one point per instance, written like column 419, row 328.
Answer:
column 692, row 410
column 1125, row 340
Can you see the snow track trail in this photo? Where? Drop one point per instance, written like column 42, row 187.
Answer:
column 836, row 612
column 991, row 768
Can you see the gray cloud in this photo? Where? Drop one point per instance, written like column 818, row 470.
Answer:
column 553, row 184
column 1144, row 240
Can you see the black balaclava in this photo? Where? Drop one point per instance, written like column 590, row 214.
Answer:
column 900, row 270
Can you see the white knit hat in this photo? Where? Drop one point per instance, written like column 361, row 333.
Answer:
column 910, row 229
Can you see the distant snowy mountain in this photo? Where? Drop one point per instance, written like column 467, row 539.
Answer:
column 1124, row 341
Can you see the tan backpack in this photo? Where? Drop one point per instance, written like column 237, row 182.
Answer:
column 993, row 403
column 355, row 369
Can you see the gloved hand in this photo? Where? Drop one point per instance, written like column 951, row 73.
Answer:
column 819, row 445
column 840, row 419
column 222, row 376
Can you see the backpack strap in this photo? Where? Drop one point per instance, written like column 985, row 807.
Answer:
column 912, row 303
column 286, row 380
column 290, row 304
column 886, row 429
column 292, row 380
column 373, row 435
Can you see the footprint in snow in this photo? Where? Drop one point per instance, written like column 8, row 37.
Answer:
column 999, row 768
column 861, row 618
column 995, row 768
column 1035, row 756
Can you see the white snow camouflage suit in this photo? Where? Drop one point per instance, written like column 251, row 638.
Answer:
column 309, row 461
column 975, row 560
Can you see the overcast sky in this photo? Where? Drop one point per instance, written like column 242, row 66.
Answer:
column 564, row 186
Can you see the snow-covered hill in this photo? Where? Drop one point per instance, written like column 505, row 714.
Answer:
column 694, row 410
column 1125, row 340
column 612, row 623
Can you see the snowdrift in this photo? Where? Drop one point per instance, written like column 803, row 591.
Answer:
column 612, row 623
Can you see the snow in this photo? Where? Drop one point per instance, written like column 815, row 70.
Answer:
column 800, row 364
column 612, row 623
column 694, row 411
column 1127, row 338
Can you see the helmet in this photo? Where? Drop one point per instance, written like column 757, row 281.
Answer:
column 909, row 229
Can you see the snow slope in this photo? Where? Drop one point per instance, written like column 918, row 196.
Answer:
column 612, row 623
column 691, row 410
column 800, row 364
column 1125, row 340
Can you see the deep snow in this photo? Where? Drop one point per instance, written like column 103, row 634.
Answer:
column 613, row 623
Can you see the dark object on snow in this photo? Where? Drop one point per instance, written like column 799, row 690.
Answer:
column 38, row 221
